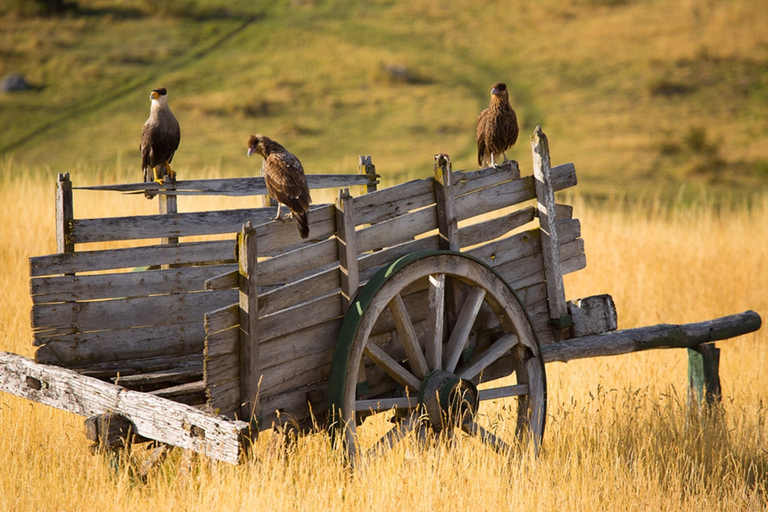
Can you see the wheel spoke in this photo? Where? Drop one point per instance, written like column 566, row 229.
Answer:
column 435, row 321
column 384, row 404
column 503, row 392
column 394, row 436
column 464, row 323
column 472, row 428
column 408, row 337
column 392, row 367
column 488, row 356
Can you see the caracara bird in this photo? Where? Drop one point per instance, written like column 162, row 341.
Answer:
column 159, row 140
column 284, row 178
column 497, row 128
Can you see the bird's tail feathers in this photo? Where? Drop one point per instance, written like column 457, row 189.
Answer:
column 302, row 222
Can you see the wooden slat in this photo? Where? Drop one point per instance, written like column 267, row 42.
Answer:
column 300, row 317
column 467, row 182
column 346, row 238
column 394, row 201
column 248, row 355
column 295, row 346
column 121, row 344
column 237, row 187
column 488, row 230
column 222, row 342
column 510, row 193
column 222, row 369
column 398, row 230
column 128, row 284
column 222, row 318
column 545, row 196
column 164, row 226
column 284, row 267
column 123, row 313
column 281, row 236
column 299, row 291
column 370, row 263
column 87, row 261
column 153, row 417
column 224, row 398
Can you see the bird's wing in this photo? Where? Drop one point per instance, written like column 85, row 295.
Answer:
column 285, row 180
column 480, row 135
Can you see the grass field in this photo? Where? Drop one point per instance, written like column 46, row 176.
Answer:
column 661, row 104
column 618, row 436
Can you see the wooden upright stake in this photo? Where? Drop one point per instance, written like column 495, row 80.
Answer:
column 249, row 316
column 365, row 166
column 64, row 214
column 168, row 206
column 448, row 239
column 347, row 246
column 550, row 245
column 704, row 375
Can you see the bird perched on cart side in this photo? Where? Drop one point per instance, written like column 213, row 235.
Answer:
column 497, row 128
column 159, row 140
column 284, row 178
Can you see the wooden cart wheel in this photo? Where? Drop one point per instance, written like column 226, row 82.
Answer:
column 387, row 356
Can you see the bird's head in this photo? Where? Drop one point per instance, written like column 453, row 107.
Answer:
column 256, row 144
column 159, row 95
column 499, row 89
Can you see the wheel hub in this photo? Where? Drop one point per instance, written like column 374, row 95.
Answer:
column 448, row 399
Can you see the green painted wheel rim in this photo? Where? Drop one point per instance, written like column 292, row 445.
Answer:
column 354, row 316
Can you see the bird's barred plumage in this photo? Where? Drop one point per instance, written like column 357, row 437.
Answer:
column 284, row 178
column 497, row 128
column 160, row 139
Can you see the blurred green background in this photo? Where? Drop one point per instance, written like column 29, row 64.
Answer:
column 664, row 98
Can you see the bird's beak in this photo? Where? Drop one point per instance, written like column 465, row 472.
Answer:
column 494, row 91
column 251, row 151
column 153, row 95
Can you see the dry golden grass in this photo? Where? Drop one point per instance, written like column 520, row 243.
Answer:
column 618, row 435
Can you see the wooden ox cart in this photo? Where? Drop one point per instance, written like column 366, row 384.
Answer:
column 428, row 297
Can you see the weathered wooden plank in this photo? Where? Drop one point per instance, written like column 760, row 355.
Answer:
column 305, row 315
column 108, row 369
column 222, row 318
column 64, row 214
column 248, row 355
column 224, row 398
column 346, row 245
column 121, row 344
column 72, row 317
column 238, row 187
column 163, row 226
column 545, row 197
column 218, row 370
column 305, row 345
column 222, row 342
column 494, row 228
column 286, row 267
column 223, row 281
column 86, row 261
column 299, row 291
column 447, row 224
column 281, row 236
column 510, row 193
column 468, row 182
column 369, row 264
column 394, row 201
column 397, row 230
column 657, row 336
column 126, row 284
column 153, row 417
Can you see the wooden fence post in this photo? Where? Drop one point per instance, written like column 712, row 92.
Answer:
column 550, row 245
column 64, row 214
column 168, row 205
column 346, row 240
column 365, row 166
column 249, row 314
column 704, row 375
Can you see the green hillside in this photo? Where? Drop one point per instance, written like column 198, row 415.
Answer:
column 645, row 96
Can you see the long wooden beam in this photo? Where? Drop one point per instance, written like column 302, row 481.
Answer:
column 656, row 336
column 153, row 417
